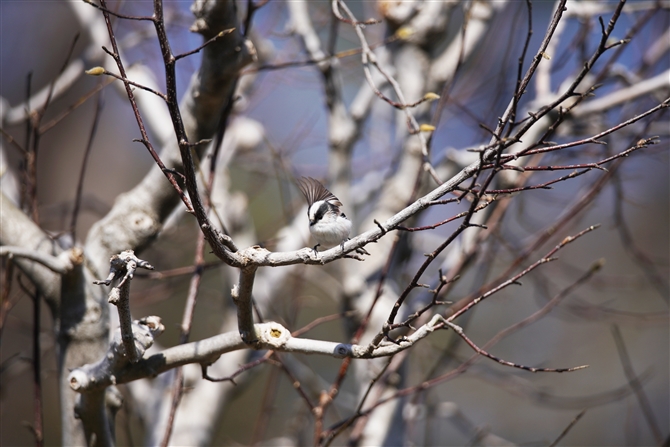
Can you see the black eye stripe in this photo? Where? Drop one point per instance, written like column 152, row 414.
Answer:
column 323, row 209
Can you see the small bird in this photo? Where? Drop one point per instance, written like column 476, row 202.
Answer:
column 327, row 223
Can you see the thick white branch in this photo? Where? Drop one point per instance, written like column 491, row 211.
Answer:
column 659, row 83
column 60, row 264
column 115, row 368
column 18, row 230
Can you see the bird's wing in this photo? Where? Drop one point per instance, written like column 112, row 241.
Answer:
column 314, row 191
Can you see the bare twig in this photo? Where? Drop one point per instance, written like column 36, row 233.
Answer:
column 648, row 267
column 243, row 368
column 208, row 42
column 99, row 102
column 37, row 371
column 81, row 101
column 516, row 98
column 568, row 428
column 551, row 304
column 98, row 71
column 187, row 319
column 368, row 58
column 480, row 351
column 515, row 279
column 636, row 386
column 318, row 321
column 140, row 123
column 179, row 271
column 5, row 288
column 104, row 9
column 446, row 221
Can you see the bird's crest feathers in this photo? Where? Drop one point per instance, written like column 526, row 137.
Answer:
column 314, row 191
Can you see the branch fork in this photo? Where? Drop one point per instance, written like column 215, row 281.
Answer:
column 122, row 269
column 144, row 332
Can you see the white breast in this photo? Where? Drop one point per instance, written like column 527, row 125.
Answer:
column 331, row 232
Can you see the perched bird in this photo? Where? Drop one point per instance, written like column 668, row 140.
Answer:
column 328, row 225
